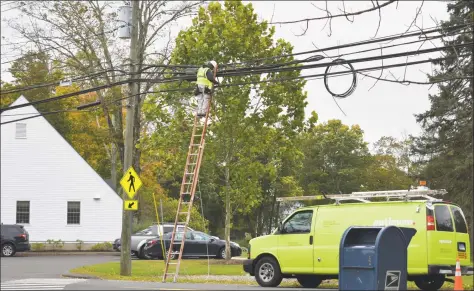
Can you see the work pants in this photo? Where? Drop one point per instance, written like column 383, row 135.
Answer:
column 203, row 100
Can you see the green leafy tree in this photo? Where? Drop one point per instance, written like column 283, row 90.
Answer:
column 446, row 142
column 240, row 114
column 335, row 156
column 383, row 173
column 31, row 69
column 400, row 149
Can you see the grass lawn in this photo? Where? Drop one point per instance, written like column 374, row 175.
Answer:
column 152, row 270
column 146, row 269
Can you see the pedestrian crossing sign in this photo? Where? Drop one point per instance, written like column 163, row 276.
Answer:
column 130, row 205
column 131, row 182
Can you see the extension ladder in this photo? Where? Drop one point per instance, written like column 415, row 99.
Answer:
column 188, row 189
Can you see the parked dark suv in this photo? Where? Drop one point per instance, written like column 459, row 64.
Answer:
column 15, row 238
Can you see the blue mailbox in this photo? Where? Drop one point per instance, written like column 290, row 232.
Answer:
column 374, row 258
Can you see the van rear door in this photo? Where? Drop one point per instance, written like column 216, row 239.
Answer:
column 441, row 237
column 462, row 237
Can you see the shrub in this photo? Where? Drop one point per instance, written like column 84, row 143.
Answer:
column 37, row 247
column 101, row 247
column 55, row 244
column 79, row 244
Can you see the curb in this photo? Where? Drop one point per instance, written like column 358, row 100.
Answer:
column 35, row 254
column 80, row 276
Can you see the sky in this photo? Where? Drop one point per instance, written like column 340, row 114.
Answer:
column 387, row 109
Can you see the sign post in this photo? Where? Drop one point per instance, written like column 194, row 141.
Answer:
column 131, row 183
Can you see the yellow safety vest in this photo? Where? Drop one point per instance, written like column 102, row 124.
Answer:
column 202, row 79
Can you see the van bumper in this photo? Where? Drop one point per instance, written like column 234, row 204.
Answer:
column 248, row 267
column 449, row 270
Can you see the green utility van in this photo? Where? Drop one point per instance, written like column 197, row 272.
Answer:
column 305, row 245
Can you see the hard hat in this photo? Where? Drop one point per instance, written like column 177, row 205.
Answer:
column 213, row 64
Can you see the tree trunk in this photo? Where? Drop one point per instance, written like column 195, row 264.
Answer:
column 228, row 214
column 272, row 214
column 113, row 166
column 261, row 220
column 257, row 223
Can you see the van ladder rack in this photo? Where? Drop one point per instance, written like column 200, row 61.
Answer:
column 363, row 196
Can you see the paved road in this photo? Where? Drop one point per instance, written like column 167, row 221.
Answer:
column 44, row 273
column 24, row 267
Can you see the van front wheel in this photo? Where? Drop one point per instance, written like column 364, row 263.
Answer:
column 309, row 281
column 430, row 283
column 267, row 272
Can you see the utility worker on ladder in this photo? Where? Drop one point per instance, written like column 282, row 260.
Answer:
column 206, row 78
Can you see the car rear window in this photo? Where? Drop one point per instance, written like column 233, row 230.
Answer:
column 459, row 221
column 167, row 229
column 443, row 218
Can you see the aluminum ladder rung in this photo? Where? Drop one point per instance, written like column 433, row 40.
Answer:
column 181, row 212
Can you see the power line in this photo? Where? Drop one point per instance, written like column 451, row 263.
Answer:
column 91, row 76
column 364, row 42
column 253, row 71
column 296, row 61
column 41, row 114
column 313, row 77
column 245, row 71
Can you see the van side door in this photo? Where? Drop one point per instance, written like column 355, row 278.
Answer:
column 295, row 243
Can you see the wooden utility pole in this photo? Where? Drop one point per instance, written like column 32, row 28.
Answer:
column 125, row 254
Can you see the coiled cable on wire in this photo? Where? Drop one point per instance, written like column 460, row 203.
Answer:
column 354, row 79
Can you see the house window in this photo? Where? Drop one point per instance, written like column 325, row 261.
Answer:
column 20, row 131
column 23, row 212
column 73, row 212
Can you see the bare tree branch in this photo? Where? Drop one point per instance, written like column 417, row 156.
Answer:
column 418, row 11
column 345, row 12
column 329, row 15
column 381, row 71
column 380, row 19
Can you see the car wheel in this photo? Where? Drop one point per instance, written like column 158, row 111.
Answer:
column 222, row 253
column 267, row 272
column 8, row 250
column 430, row 283
column 142, row 255
column 172, row 257
column 309, row 281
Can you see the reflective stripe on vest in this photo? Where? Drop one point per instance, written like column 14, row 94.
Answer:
column 202, row 79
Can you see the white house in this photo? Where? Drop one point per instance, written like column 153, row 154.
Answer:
column 49, row 188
